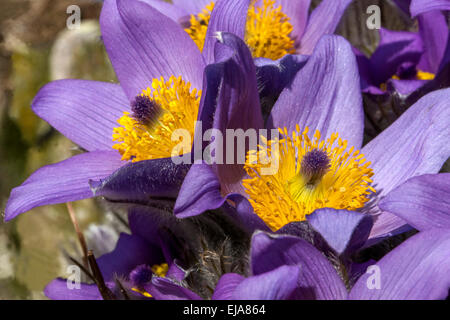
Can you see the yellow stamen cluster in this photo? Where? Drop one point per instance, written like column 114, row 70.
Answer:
column 137, row 141
column 285, row 195
column 159, row 270
column 267, row 30
column 422, row 75
column 199, row 26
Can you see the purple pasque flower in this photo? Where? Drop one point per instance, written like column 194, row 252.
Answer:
column 142, row 45
column 288, row 267
column 292, row 30
column 148, row 251
column 329, row 100
column 277, row 284
column 191, row 253
column 132, row 258
column 406, row 61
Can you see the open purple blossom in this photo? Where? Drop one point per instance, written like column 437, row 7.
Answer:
column 271, row 28
column 328, row 102
column 146, row 49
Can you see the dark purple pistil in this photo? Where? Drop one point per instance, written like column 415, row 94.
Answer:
column 145, row 110
column 406, row 71
column 314, row 165
column 141, row 275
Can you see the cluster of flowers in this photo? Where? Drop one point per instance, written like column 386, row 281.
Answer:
column 227, row 231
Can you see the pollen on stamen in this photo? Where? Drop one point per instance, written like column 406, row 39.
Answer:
column 268, row 29
column 161, row 109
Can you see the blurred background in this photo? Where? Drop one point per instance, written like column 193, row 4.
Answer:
column 36, row 47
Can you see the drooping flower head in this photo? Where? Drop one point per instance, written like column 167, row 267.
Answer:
column 406, row 61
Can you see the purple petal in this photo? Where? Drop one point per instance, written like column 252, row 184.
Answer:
column 318, row 99
column 405, row 87
column 423, row 201
column 166, row 289
column 143, row 44
column 58, row 290
column 344, row 231
column 441, row 80
column 446, row 58
column 274, row 76
column 230, row 101
column 237, row 103
column 61, row 182
column 403, row 5
column 297, row 11
column 145, row 222
column 226, row 286
column 420, row 6
column 130, row 252
column 142, row 181
column 84, row 111
column 395, row 48
column 418, row 269
column 176, row 272
column 175, row 13
column 277, row 284
column 413, row 145
column 323, row 20
column 152, row 222
column 192, row 6
column 248, row 218
column 356, row 270
column 373, row 90
column 318, row 278
column 227, row 16
column 434, row 31
column 201, row 192
column 365, row 73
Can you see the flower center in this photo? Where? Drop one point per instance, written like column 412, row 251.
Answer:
column 267, row 30
column 419, row 75
column 157, row 112
column 143, row 274
column 312, row 174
